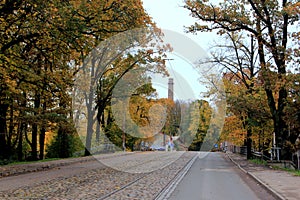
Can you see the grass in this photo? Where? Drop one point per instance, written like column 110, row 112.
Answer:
column 259, row 162
column 297, row 173
column 265, row 163
column 12, row 162
column 29, row 162
column 294, row 172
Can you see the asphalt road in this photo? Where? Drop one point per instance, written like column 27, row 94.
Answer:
column 213, row 177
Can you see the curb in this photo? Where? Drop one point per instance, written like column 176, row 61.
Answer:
column 169, row 189
column 271, row 190
column 14, row 170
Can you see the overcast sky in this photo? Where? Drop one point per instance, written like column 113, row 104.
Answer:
column 170, row 15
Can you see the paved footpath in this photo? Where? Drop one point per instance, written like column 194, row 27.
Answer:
column 281, row 183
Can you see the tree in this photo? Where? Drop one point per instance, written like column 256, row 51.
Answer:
column 270, row 23
column 110, row 63
column 65, row 142
column 292, row 116
column 249, row 111
column 233, row 131
column 34, row 59
column 201, row 123
column 138, row 122
column 42, row 44
column 238, row 61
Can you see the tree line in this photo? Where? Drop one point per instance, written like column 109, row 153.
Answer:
column 259, row 59
column 43, row 47
column 62, row 61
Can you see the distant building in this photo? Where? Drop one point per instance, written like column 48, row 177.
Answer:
column 171, row 89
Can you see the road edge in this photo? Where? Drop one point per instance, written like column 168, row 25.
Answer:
column 169, row 189
column 271, row 190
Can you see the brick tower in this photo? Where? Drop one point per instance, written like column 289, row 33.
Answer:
column 171, row 89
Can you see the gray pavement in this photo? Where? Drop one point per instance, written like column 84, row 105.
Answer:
column 214, row 177
column 280, row 183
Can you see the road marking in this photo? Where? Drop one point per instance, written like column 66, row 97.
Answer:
column 167, row 191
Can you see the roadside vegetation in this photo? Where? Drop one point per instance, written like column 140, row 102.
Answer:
column 294, row 172
column 45, row 47
column 265, row 163
column 259, row 162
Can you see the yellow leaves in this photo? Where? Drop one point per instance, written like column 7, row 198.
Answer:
column 233, row 130
column 148, row 114
column 292, row 9
column 10, row 83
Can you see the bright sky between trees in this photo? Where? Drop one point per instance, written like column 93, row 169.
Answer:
column 170, row 15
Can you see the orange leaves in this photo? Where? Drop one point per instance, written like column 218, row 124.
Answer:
column 233, row 131
column 150, row 51
column 292, row 9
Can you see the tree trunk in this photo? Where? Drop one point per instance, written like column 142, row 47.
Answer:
column 34, row 154
column 249, row 135
column 3, row 131
column 276, row 106
column 34, row 134
column 249, row 143
column 42, row 135
column 20, row 142
column 98, row 132
column 281, row 134
column 42, row 143
column 89, row 130
column 22, row 129
column 9, row 144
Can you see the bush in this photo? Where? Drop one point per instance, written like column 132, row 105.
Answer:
column 65, row 143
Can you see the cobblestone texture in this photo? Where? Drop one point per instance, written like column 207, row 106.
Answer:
column 12, row 170
column 103, row 182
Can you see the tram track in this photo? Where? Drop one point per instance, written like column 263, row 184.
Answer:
column 132, row 190
column 122, row 188
column 102, row 181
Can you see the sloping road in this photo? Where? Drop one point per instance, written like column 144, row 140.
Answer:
column 212, row 177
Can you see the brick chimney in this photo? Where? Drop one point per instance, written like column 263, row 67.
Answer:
column 171, row 89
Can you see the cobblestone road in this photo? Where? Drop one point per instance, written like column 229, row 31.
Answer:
column 131, row 176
